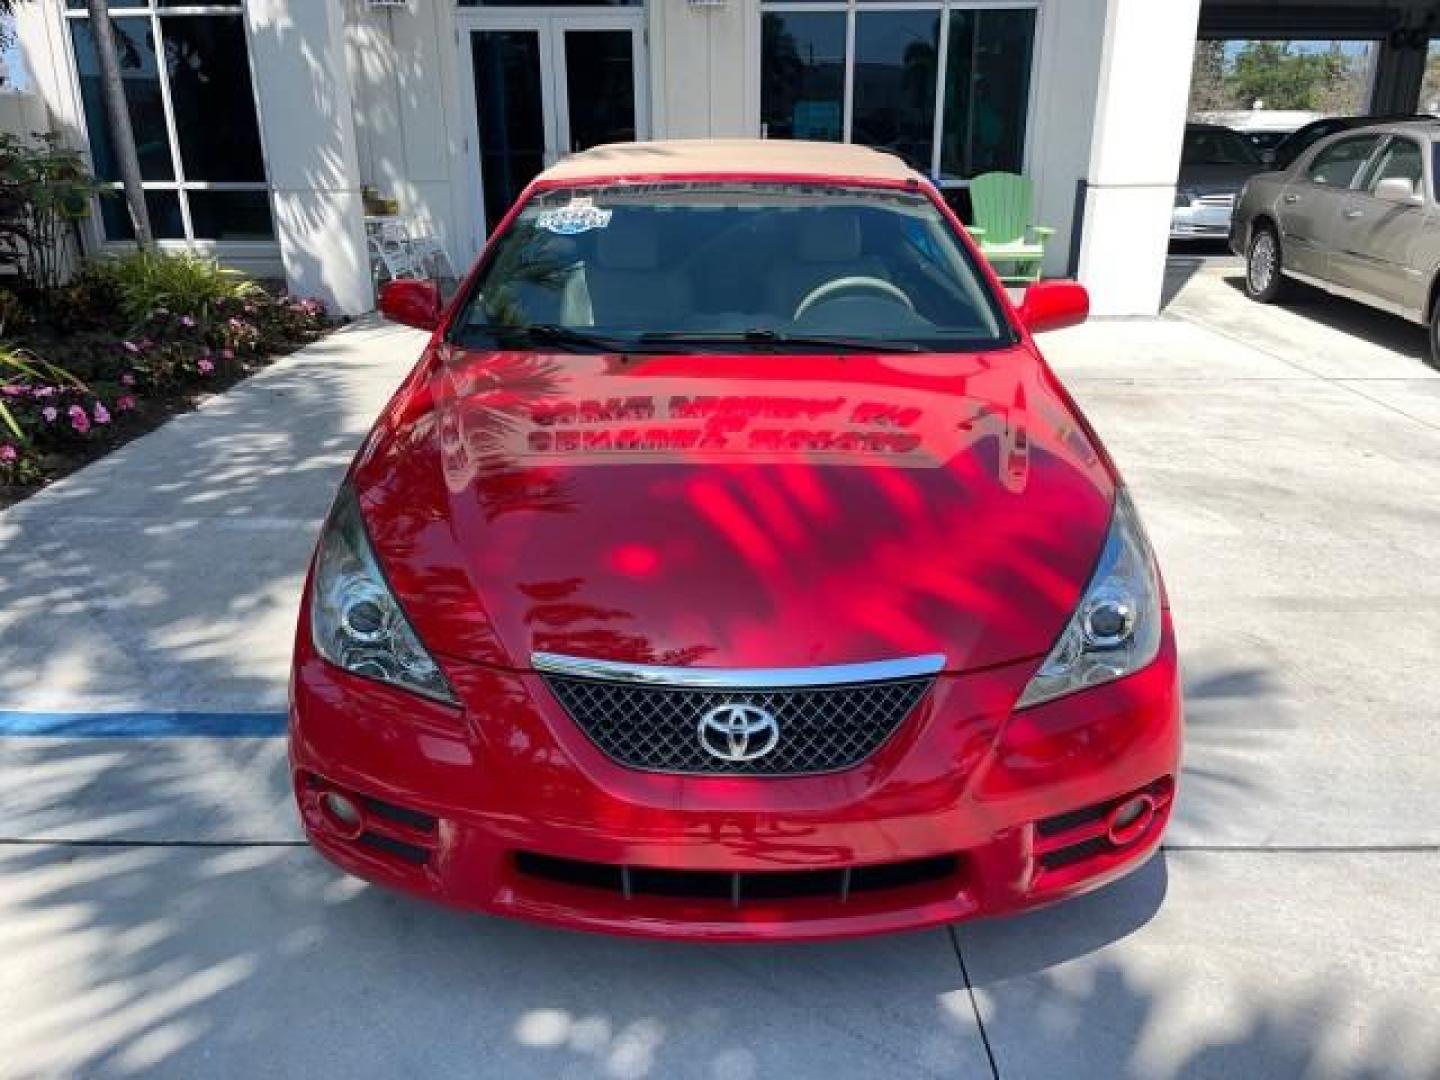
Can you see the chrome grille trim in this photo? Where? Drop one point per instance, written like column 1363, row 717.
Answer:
column 824, row 719
column 578, row 667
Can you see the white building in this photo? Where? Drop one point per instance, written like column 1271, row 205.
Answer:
column 259, row 122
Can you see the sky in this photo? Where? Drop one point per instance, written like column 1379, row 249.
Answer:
column 1349, row 48
column 10, row 57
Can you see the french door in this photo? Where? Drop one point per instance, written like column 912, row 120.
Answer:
column 541, row 85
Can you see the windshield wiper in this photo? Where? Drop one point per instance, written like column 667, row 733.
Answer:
column 565, row 337
column 759, row 336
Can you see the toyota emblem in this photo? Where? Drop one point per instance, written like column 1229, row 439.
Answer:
column 739, row 732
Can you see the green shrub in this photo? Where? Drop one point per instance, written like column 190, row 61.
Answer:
column 147, row 283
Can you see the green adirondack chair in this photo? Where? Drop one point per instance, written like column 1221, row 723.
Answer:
column 1003, row 229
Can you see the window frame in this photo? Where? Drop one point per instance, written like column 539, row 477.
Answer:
column 943, row 8
column 156, row 11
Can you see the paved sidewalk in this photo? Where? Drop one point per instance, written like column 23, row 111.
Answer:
column 157, row 915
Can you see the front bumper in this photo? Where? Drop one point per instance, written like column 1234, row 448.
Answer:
column 1201, row 221
column 968, row 810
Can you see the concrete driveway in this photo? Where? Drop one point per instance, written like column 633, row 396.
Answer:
column 158, row 914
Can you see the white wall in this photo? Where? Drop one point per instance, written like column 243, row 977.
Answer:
column 23, row 114
column 409, row 122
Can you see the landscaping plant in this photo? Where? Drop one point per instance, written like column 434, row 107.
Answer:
column 44, row 189
column 41, row 404
column 146, row 282
column 128, row 342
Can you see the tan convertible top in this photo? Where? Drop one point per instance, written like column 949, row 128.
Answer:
column 779, row 157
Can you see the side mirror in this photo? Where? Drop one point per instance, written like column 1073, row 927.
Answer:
column 413, row 303
column 1054, row 305
column 1398, row 189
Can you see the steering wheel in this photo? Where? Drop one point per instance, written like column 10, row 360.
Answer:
column 850, row 284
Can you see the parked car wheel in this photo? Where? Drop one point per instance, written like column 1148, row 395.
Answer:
column 1263, row 278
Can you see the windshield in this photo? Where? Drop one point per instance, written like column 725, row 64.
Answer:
column 726, row 265
column 1217, row 146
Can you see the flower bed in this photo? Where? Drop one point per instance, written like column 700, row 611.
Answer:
column 126, row 345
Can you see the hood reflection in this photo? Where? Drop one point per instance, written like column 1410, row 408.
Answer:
column 502, row 412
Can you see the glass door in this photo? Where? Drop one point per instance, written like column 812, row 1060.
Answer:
column 514, row 123
column 601, row 88
column 545, row 85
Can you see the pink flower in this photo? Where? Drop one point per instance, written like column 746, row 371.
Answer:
column 186, row 321
column 125, row 403
column 50, row 413
column 43, row 392
column 12, row 391
column 8, row 453
column 79, row 419
column 127, row 379
column 206, row 366
column 130, row 346
column 102, row 414
column 227, row 354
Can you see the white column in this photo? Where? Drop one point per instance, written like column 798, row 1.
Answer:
column 297, row 51
column 1135, row 153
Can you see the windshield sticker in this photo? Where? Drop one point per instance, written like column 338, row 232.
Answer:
column 580, row 216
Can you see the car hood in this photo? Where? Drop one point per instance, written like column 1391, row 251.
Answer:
column 735, row 511
column 1215, row 179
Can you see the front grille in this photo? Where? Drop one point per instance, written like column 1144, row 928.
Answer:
column 658, row 728
column 1219, row 202
column 735, row 888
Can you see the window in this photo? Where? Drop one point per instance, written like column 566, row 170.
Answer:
column 187, row 86
column 802, row 73
column 727, row 265
column 1216, row 146
column 908, row 67
column 1400, row 159
column 1337, row 164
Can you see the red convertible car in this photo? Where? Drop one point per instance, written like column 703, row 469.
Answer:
column 732, row 566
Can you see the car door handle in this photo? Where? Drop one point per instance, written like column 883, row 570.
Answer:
column 1292, row 199
column 1351, row 215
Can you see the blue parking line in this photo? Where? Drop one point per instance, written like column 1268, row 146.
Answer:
column 141, row 725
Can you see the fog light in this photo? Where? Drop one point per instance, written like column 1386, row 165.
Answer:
column 342, row 815
column 1128, row 821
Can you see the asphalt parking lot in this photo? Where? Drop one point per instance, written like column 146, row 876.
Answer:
column 159, row 916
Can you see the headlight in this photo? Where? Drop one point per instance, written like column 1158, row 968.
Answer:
column 1115, row 630
column 355, row 620
column 1184, row 198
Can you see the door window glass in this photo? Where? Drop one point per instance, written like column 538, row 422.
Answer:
column 511, row 115
column 600, row 90
column 1400, row 159
column 1337, row 164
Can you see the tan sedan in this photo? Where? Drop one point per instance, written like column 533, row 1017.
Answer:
column 1357, row 216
